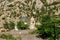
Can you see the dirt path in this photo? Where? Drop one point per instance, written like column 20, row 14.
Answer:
column 24, row 35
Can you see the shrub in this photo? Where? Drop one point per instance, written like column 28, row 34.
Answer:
column 12, row 25
column 22, row 26
column 9, row 26
column 49, row 26
column 7, row 37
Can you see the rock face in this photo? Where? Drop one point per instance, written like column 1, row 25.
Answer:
column 32, row 23
column 12, row 10
column 16, row 28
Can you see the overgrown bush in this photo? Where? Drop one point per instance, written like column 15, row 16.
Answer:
column 49, row 28
column 22, row 26
column 9, row 26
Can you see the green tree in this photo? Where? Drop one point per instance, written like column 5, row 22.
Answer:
column 49, row 27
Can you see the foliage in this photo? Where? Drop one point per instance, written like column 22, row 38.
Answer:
column 10, row 0
column 21, row 25
column 10, row 5
column 9, row 26
column 49, row 23
column 49, row 26
column 7, row 37
column 6, row 25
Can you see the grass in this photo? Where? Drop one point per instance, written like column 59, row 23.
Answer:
column 9, row 37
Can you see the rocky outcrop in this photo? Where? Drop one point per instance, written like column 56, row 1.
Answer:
column 12, row 10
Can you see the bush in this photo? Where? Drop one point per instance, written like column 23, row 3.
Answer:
column 22, row 26
column 9, row 26
column 49, row 27
column 7, row 37
column 12, row 25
